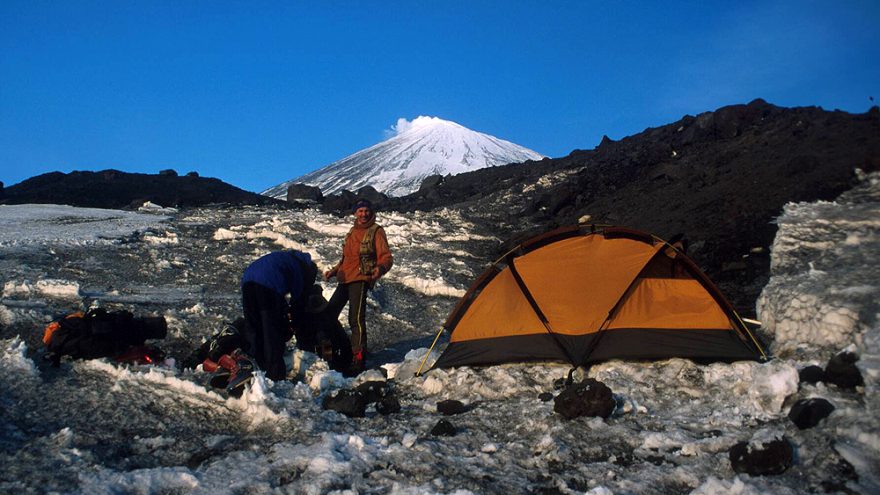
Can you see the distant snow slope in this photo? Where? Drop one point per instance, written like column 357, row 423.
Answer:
column 426, row 146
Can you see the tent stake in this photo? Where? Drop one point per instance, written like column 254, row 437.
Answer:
column 419, row 372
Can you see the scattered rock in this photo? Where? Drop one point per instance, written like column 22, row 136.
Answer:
column 388, row 405
column 841, row 370
column 450, row 407
column 587, row 398
column 807, row 413
column 304, row 192
column 340, row 202
column 430, row 182
column 170, row 172
column 444, row 428
column 374, row 391
column 370, row 193
column 811, row 375
column 348, row 402
column 192, row 174
column 773, row 457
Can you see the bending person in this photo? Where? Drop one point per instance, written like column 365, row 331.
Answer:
column 365, row 258
column 264, row 287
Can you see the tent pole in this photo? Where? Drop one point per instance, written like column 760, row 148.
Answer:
column 537, row 309
column 419, row 372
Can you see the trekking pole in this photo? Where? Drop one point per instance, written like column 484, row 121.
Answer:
column 419, row 372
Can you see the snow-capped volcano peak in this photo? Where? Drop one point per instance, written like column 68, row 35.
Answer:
column 416, row 149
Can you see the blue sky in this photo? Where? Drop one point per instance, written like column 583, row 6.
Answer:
column 256, row 93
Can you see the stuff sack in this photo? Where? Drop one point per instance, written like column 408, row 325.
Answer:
column 99, row 333
column 225, row 341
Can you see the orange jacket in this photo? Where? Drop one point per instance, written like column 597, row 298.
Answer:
column 349, row 268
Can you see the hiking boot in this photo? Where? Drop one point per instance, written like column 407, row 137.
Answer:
column 357, row 365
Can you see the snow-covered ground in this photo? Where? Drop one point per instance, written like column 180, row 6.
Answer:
column 100, row 427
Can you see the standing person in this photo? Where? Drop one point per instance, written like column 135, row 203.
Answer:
column 365, row 257
column 264, row 287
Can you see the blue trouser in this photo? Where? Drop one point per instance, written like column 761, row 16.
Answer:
column 267, row 329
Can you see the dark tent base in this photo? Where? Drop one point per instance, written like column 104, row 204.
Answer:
column 624, row 343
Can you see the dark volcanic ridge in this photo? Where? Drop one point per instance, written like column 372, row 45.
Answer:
column 116, row 189
column 721, row 178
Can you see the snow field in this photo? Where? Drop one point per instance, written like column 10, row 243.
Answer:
column 160, row 430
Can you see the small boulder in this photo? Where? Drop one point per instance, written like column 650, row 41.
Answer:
column 811, row 375
column 587, row 398
column 348, row 402
column 371, row 194
column 192, row 174
column 388, row 405
column 545, row 397
column 430, row 182
column 444, row 428
column 374, row 391
column 340, row 202
column 841, row 370
column 807, row 413
column 169, row 172
column 773, row 457
column 304, row 192
column 451, row 407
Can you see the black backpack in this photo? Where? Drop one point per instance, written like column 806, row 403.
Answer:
column 99, row 333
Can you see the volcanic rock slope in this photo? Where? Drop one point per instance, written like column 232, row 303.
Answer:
column 721, row 178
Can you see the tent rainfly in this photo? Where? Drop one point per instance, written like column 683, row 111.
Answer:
column 584, row 294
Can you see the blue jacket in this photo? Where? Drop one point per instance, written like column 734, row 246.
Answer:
column 281, row 271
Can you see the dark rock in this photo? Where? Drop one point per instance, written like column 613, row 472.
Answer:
column 374, row 391
column 370, row 193
column 811, row 374
column 545, row 397
column 587, row 398
column 450, row 407
column 168, row 172
column 388, row 405
column 430, row 182
column 444, row 428
column 563, row 198
column 340, row 202
column 192, row 174
column 304, row 192
column 348, row 402
column 1, row 189
column 807, row 413
column 841, row 370
column 774, row 457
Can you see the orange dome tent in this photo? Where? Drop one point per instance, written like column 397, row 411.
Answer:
column 585, row 294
